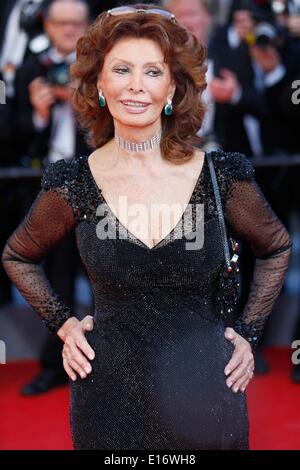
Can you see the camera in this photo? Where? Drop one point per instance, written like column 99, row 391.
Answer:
column 58, row 74
column 265, row 35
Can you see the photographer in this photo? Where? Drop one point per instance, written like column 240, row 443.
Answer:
column 272, row 52
column 47, row 125
column 233, row 86
column 255, row 60
column 42, row 102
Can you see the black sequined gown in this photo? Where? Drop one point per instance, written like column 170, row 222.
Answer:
column 158, row 376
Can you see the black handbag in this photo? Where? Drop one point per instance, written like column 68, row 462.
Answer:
column 228, row 291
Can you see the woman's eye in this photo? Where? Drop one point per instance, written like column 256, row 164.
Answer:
column 121, row 70
column 154, row 73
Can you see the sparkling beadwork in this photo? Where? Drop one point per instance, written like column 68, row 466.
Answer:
column 72, row 181
column 158, row 312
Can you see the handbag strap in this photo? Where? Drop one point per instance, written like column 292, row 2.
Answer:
column 219, row 209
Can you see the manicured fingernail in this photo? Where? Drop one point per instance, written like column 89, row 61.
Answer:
column 87, row 369
column 91, row 356
column 235, row 389
column 73, row 377
column 227, row 371
column 229, row 384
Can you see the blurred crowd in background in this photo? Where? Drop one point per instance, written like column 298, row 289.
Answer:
column 252, row 100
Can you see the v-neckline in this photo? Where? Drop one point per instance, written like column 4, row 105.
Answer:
column 138, row 240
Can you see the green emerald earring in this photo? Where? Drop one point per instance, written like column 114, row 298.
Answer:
column 169, row 108
column 102, row 101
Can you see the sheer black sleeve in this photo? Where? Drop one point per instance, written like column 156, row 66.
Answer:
column 50, row 218
column 249, row 216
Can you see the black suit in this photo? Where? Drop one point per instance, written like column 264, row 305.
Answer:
column 229, row 126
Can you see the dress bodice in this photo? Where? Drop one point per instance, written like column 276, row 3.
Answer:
column 123, row 271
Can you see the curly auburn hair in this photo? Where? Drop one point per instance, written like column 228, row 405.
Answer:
column 184, row 54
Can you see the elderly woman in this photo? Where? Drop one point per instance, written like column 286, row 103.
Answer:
column 157, row 366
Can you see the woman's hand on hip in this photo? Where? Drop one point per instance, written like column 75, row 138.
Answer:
column 76, row 349
column 240, row 368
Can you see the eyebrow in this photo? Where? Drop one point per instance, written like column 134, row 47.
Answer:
column 130, row 63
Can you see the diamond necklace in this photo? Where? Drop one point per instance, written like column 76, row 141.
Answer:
column 138, row 146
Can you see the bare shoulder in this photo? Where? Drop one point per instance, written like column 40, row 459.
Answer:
column 196, row 162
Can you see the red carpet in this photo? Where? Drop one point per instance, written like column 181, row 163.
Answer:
column 39, row 422
column 42, row 422
column 274, row 405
